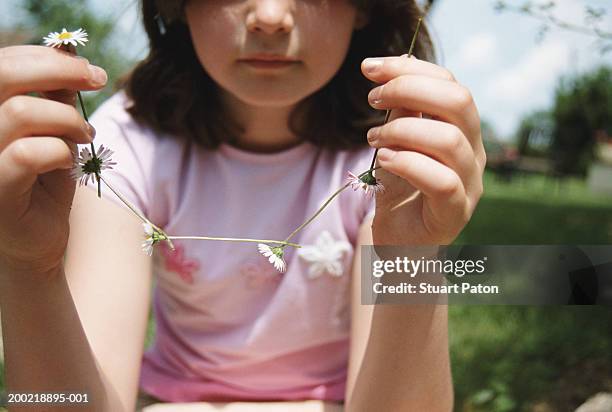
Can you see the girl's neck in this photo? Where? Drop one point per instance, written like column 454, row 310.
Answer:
column 265, row 128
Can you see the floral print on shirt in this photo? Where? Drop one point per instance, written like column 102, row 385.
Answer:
column 176, row 261
column 325, row 256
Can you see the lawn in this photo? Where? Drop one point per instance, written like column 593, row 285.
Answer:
column 510, row 358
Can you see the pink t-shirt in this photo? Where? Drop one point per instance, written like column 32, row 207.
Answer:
column 229, row 326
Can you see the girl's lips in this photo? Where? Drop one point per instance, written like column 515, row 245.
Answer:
column 269, row 64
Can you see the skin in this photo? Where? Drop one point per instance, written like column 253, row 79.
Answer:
column 37, row 138
column 432, row 165
column 316, row 32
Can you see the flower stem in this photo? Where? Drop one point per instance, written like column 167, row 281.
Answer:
column 169, row 238
column 410, row 51
column 71, row 49
column 234, row 239
column 135, row 210
column 325, row 204
column 93, row 150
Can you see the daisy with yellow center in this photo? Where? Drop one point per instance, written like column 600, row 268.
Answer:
column 55, row 39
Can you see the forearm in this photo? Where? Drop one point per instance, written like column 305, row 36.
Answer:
column 406, row 365
column 45, row 346
column 280, row 406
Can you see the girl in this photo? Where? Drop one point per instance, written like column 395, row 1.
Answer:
column 210, row 139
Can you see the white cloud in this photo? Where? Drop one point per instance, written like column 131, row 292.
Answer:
column 533, row 76
column 479, row 50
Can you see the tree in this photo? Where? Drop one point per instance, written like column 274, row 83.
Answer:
column 543, row 11
column 43, row 17
column 583, row 106
column 534, row 134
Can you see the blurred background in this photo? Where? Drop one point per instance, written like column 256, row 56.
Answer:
column 541, row 75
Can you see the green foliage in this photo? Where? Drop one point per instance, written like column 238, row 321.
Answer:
column 534, row 134
column 593, row 22
column 583, row 105
column 52, row 15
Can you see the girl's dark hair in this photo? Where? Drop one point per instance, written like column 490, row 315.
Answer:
column 171, row 93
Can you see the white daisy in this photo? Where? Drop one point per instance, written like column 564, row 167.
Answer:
column 368, row 183
column 55, row 39
column 274, row 255
column 152, row 236
column 147, row 245
column 325, row 255
column 86, row 166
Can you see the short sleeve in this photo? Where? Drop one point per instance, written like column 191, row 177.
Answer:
column 132, row 151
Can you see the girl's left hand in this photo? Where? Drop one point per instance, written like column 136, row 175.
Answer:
column 432, row 165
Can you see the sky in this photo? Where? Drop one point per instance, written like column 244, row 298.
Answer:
column 495, row 55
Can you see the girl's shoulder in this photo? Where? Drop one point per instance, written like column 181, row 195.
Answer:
column 136, row 149
column 113, row 112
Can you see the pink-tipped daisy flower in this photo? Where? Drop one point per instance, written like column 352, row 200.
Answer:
column 367, row 182
column 274, row 255
column 86, row 166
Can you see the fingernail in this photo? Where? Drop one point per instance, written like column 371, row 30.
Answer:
column 373, row 134
column 372, row 65
column 385, row 154
column 98, row 75
column 375, row 95
column 91, row 131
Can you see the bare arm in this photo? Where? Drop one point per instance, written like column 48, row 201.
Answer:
column 110, row 281
column 44, row 344
column 399, row 358
column 82, row 330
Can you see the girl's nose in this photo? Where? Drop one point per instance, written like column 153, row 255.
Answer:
column 271, row 16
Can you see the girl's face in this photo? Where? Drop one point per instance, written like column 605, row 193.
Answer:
column 316, row 33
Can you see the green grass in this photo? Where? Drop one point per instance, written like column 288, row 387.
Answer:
column 536, row 210
column 507, row 358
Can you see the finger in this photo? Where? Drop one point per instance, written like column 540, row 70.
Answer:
column 442, row 141
column 446, row 100
column 24, row 159
column 32, row 116
column 20, row 50
column 439, row 184
column 383, row 69
column 47, row 71
column 65, row 96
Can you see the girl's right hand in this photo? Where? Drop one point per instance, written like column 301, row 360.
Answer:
column 38, row 137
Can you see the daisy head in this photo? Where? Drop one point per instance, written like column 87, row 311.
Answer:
column 367, row 182
column 274, row 255
column 87, row 165
column 152, row 237
column 55, row 39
